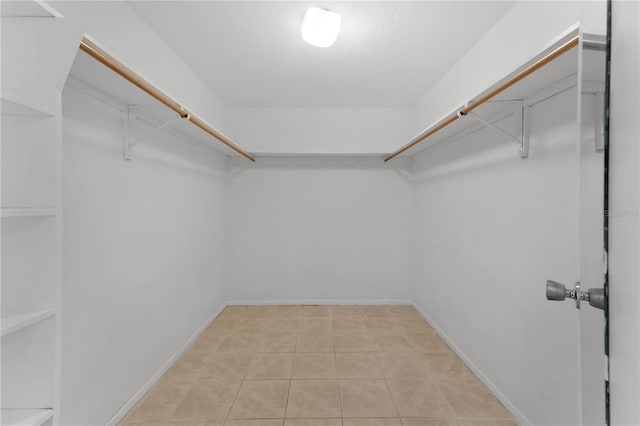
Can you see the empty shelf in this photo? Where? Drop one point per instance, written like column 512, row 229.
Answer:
column 28, row 212
column 24, row 417
column 16, row 105
column 17, row 322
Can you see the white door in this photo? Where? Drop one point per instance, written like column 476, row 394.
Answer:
column 589, row 289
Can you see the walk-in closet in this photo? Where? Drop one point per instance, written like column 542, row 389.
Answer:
column 337, row 213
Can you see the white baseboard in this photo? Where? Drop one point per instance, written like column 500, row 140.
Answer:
column 119, row 415
column 322, row 302
column 520, row 418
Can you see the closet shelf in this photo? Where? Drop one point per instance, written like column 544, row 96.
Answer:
column 555, row 69
column 17, row 322
column 28, row 212
column 16, row 105
column 27, row 9
column 25, row 417
column 101, row 56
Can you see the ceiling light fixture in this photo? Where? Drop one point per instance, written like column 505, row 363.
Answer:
column 320, row 27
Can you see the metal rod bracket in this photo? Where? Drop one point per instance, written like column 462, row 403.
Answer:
column 128, row 118
column 522, row 141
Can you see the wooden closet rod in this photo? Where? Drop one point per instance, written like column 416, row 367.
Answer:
column 118, row 67
column 484, row 98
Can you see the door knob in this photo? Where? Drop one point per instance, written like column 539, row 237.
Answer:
column 558, row 291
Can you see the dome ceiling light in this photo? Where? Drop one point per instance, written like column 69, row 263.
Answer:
column 320, row 27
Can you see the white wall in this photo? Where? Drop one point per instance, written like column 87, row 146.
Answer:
column 117, row 27
column 319, row 230
column 624, row 216
column 489, row 230
column 321, row 130
column 144, row 252
column 522, row 32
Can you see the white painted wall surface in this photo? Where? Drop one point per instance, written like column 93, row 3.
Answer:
column 319, row 230
column 521, row 33
column 118, row 28
column 321, row 130
column 144, row 251
column 489, row 230
column 624, row 217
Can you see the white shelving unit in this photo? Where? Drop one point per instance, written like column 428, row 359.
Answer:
column 25, row 417
column 17, row 322
column 28, row 212
column 33, row 73
column 15, row 105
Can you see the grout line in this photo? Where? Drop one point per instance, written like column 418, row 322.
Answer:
column 335, row 360
column 453, row 413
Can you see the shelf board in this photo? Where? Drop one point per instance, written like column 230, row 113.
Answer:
column 27, row 9
column 28, row 212
column 20, row 417
column 14, row 323
column 17, row 105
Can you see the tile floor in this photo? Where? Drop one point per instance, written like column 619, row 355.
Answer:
column 319, row 366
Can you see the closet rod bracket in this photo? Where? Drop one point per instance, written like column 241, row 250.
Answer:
column 128, row 118
column 523, row 115
column 130, row 130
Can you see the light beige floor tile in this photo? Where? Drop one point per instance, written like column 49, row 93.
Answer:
column 313, row 422
column 413, row 324
column 373, row 311
column 425, row 382
column 344, row 312
column 486, row 422
column 418, row 398
column 187, row 368
column 314, row 341
column 240, row 342
column 429, row 422
column 315, row 323
column 160, row 403
column 254, row 422
column 258, row 311
column 366, row 398
column 207, row 401
column 313, row 399
column 471, row 399
column 402, row 365
column 223, row 326
column 232, row 312
column 277, row 342
column 371, row 422
column 276, row 324
column 380, row 325
column 314, row 366
column 427, row 342
column 446, row 366
column 357, row 365
column 352, row 342
column 261, row 399
column 315, row 311
column 208, row 342
column 389, row 342
column 286, row 311
column 210, row 422
column 402, row 311
column 353, row 325
column 250, row 325
column 270, row 366
column 223, row 366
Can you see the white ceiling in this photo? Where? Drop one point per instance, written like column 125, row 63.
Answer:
column 388, row 53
